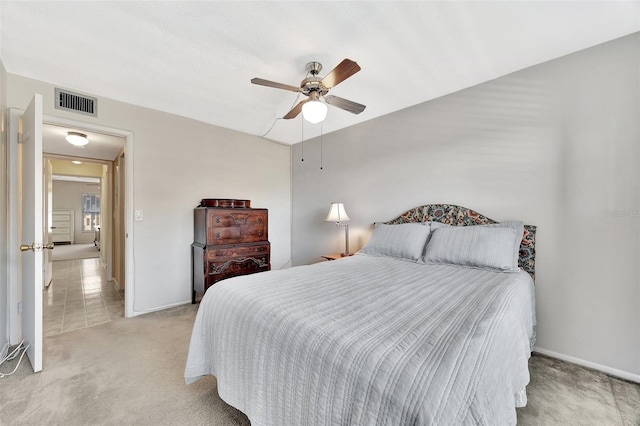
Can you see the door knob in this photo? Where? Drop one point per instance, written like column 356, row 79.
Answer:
column 36, row 247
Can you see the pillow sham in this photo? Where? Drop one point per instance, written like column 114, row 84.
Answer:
column 518, row 227
column 486, row 247
column 515, row 225
column 404, row 241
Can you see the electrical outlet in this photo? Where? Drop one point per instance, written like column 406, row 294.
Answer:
column 138, row 214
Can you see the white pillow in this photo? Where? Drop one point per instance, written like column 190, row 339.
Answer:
column 485, row 247
column 404, row 241
column 518, row 227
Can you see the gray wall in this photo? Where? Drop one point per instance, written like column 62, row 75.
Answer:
column 555, row 145
column 68, row 195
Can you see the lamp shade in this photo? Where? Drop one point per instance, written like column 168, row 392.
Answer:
column 77, row 139
column 314, row 111
column 337, row 213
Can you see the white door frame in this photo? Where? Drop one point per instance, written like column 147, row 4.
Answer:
column 14, row 292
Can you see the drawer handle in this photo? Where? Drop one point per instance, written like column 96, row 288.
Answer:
column 217, row 235
column 259, row 220
column 218, row 219
column 260, row 233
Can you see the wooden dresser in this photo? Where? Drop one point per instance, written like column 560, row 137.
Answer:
column 230, row 239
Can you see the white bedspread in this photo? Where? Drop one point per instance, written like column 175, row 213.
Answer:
column 367, row 341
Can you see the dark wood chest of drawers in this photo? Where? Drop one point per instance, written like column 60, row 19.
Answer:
column 228, row 241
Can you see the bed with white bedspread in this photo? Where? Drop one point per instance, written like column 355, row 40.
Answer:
column 395, row 335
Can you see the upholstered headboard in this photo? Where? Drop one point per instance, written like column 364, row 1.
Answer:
column 462, row 216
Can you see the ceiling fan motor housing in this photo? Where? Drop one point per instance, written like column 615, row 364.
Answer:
column 313, row 84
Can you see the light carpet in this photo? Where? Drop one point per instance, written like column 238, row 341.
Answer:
column 130, row 372
column 74, row 251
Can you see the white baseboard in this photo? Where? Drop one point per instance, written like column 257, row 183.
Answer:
column 608, row 370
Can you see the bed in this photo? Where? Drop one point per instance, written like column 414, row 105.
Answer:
column 431, row 323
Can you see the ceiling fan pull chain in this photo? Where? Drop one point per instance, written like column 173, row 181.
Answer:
column 320, row 145
column 302, row 137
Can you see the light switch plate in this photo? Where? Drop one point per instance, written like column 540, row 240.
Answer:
column 138, row 214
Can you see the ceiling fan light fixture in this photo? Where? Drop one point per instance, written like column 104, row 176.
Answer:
column 77, row 139
column 314, row 111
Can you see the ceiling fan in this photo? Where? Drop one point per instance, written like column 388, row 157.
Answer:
column 316, row 88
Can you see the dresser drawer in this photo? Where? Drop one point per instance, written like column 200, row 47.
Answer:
column 238, row 259
column 236, row 217
column 221, row 269
column 217, row 253
column 236, row 234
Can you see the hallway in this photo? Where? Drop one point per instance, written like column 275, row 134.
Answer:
column 79, row 296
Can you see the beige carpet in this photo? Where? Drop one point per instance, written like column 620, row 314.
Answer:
column 74, row 251
column 129, row 372
column 125, row 372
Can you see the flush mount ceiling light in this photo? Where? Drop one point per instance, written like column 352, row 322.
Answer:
column 76, row 162
column 77, row 139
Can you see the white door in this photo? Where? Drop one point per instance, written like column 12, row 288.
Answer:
column 48, row 221
column 32, row 232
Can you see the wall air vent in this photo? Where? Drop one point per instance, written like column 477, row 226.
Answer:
column 75, row 102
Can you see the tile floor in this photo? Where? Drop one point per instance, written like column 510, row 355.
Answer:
column 79, row 296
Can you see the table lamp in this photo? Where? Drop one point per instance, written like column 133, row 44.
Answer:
column 338, row 214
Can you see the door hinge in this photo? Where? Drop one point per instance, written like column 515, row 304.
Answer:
column 19, row 307
column 20, row 138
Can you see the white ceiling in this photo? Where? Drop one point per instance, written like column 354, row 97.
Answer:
column 100, row 146
column 196, row 59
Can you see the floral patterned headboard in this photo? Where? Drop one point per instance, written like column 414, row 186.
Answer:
column 462, row 216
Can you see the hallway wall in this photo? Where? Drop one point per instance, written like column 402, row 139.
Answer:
column 68, row 195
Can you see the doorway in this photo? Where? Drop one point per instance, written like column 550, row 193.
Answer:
column 118, row 260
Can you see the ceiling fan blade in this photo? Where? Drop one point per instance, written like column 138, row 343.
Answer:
column 263, row 82
column 296, row 110
column 344, row 70
column 344, row 104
